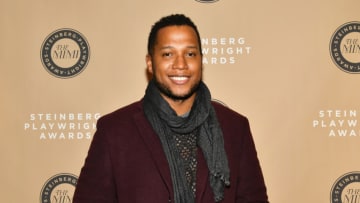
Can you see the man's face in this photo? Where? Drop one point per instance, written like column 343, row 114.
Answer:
column 176, row 63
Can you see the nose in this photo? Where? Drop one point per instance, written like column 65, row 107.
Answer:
column 180, row 62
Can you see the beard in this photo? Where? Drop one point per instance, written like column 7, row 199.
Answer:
column 165, row 90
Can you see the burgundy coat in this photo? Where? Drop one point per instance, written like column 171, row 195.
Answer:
column 126, row 162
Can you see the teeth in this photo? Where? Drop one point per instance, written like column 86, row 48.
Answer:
column 179, row 78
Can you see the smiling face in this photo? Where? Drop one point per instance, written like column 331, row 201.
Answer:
column 176, row 62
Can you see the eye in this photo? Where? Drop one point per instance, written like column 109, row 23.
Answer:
column 167, row 54
column 191, row 54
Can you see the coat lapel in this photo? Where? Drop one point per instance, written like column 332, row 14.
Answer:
column 156, row 151
column 154, row 146
column 202, row 176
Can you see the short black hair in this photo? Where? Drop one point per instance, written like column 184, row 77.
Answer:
column 170, row 20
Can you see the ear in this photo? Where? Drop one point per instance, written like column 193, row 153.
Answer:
column 149, row 64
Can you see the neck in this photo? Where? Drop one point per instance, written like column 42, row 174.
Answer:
column 180, row 106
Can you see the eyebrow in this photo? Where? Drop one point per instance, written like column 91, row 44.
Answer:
column 170, row 47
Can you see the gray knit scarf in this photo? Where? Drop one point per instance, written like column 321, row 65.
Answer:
column 202, row 119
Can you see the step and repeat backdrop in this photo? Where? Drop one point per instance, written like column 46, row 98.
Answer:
column 291, row 67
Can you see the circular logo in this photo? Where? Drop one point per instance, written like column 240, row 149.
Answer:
column 345, row 47
column 346, row 189
column 65, row 53
column 59, row 188
column 206, row 1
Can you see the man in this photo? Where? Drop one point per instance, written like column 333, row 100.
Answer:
column 174, row 145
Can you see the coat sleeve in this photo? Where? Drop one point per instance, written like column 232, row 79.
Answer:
column 251, row 185
column 96, row 183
